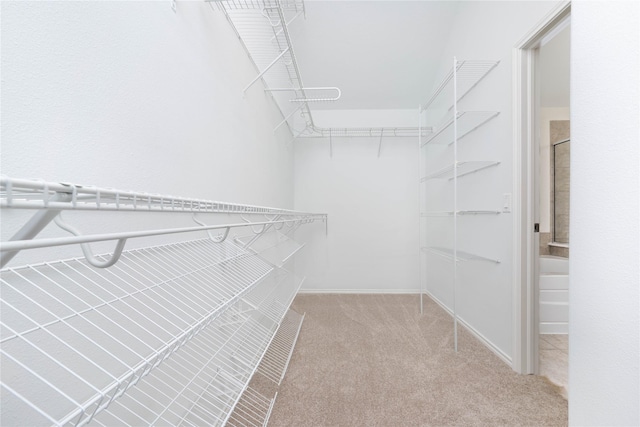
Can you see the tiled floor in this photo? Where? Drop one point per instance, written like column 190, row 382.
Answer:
column 554, row 360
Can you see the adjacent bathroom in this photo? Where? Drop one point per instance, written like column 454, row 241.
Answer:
column 554, row 187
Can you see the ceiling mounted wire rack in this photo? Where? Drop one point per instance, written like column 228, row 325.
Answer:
column 262, row 27
column 166, row 335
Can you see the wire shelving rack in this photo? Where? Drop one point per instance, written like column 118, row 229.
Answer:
column 463, row 77
column 167, row 335
column 263, row 29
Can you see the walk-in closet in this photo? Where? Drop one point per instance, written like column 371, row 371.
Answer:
column 309, row 213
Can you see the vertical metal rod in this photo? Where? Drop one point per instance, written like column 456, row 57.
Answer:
column 330, row 144
column 266, row 69
column 455, row 202
column 420, row 228
column 380, row 144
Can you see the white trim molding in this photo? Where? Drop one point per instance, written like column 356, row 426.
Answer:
column 525, row 298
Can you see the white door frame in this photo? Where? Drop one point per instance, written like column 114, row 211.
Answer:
column 526, row 147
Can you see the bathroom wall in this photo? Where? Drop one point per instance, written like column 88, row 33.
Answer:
column 554, row 72
column 547, row 116
column 560, row 195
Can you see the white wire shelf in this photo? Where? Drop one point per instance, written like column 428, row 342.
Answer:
column 274, row 247
column 368, row 132
column 467, row 122
column 463, row 168
column 164, row 335
column 34, row 194
column 460, row 212
column 468, row 74
column 460, row 255
column 289, row 5
column 253, row 409
column 204, row 383
column 262, row 28
column 86, row 335
column 311, row 94
column 276, row 359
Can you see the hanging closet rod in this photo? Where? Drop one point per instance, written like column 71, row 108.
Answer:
column 34, row 194
column 19, row 245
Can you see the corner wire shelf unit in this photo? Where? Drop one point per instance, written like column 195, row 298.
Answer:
column 167, row 335
column 463, row 76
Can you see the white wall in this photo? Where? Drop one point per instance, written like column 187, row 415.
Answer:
column 372, row 204
column 604, row 318
column 131, row 95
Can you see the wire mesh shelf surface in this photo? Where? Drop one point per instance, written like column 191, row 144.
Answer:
column 263, row 31
column 369, row 132
column 87, row 335
column 253, row 409
column 292, row 5
column 276, row 359
column 468, row 74
column 460, row 169
column 274, row 247
column 459, row 255
column 467, row 122
column 460, row 212
column 202, row 384
column 33, row 194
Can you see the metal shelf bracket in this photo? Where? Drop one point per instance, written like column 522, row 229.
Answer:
column 86, row 249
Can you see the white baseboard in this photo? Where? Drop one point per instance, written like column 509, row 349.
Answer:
column 554, row 328
column 360, row 291
column 505, row 358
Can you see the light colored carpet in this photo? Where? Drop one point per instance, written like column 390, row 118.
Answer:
column 373, row 360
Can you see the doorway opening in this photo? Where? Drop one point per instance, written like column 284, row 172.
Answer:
column 554, row 145
column 541, row 107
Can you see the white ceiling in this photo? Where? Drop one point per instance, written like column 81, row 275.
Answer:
column 381, row 54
